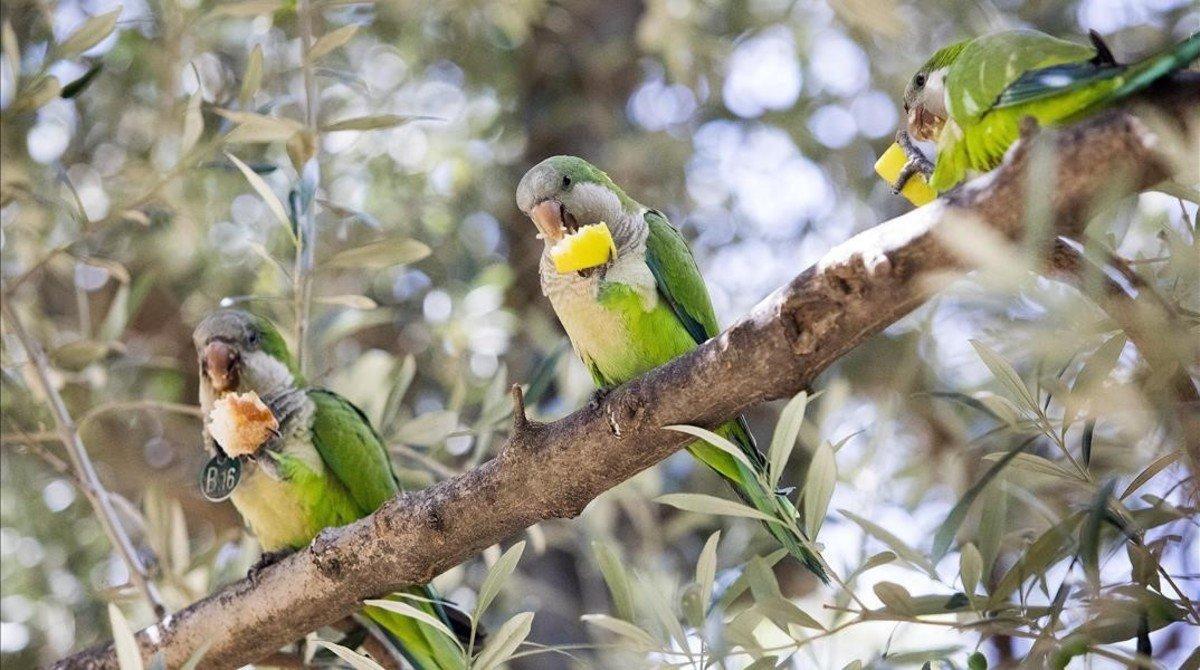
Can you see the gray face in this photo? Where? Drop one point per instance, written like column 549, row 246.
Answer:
column 560, row 203
column 229, row 346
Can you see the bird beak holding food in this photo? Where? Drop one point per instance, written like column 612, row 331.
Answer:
column 548, row 217
column 220, row 362
column 923, row 125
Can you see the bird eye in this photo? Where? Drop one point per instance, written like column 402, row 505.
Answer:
column 919, row 80
column 566, row 182
column 254, row 339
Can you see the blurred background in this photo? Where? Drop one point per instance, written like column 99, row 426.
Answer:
column 752, row 125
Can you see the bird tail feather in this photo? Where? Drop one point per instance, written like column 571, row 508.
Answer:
column 1149, row 70
column 751, row 488
column 422, row 645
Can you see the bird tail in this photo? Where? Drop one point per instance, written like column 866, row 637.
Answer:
column 424, row 646
column 752, row 488
column 1145, row 72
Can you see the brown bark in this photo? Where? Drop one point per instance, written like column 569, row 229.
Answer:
column 555, row 470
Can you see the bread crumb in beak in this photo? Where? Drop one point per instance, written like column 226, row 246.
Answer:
column 241, row 423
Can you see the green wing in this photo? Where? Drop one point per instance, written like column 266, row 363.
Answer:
column 990, row 64
column 680, row 284
column 678, row 279
column 352, row 450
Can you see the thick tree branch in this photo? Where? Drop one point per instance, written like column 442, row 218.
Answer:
column 555, row 470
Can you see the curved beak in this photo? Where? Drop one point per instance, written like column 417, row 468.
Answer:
column 548, row 216
column 219, row 363
column 923, row 124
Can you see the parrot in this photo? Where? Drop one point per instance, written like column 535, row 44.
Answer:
column 971, row 96
column 645, row 306
column 325, row 466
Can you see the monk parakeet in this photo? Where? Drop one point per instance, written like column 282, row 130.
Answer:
column 971, row 96
column 643, row 307
column 326, row 466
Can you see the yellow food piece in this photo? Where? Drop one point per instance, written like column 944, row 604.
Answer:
column 241, row 423
column 917, row 190
column 585, row 248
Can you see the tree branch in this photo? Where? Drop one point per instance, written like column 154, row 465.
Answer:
column 555, row 470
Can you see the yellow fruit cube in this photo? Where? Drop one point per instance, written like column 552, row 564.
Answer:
column 585, row 248
column 917, row 189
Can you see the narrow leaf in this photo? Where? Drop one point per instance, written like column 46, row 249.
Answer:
column 129, row 655
column 381, row 254
column 252, row 77
column 949, row 528
column 642, row 639
column 1159, row 464
column 1007, row 376
column 264, row 192
column 818, row 488
column 900, row 547
column 616, row 578
column 370, row 122
column 783, row 441
column 706, row 568
column 970, row 567
column 193, row 124
column 706, row 504
column 410, row 611
column 717, row 441
column 92, row 32
column 504, row 642
column 355, row 659
column 331, row 40
column 496, row 578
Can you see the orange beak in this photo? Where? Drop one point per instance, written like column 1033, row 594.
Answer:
column 548, row 217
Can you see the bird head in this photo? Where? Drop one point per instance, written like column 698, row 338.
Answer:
column 925, row 95
column 242, row 352
column 564, row 193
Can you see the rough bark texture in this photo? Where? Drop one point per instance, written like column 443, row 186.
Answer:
column 555, row 470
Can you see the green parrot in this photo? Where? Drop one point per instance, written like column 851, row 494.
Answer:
column 971, row 96
column 647, row 305
column 326, row 465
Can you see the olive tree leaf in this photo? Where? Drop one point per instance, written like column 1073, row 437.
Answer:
column 129, row 656
column 706, row 504
column 412, row 612
column 818, row 488
column 642, row 640
column 355, row 659
column 717, row 441
column 1008, row 378
column 92, row 32
column 264, row 191
column 501, row 644
column 331, row 40
column 706, row 567
column 382, row 254
column 496, row 577
column 783, row 441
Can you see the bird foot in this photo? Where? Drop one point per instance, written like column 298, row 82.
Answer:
column 598, row 397
column 917, row 162
column 267, row 559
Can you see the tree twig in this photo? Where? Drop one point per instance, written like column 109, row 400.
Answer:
column 89, row 481
column 555, row 470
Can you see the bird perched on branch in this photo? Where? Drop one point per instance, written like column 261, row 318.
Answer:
column 970, row 97
column 626, row 288
column 323, row 465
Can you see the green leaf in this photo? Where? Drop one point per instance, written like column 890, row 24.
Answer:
column 504, row 642
column 783, row 441
column 783, row 612
column 970, row 567
column 355, row 659
column 264, row 191
column 706, row 504
column 616, row 578
column 818, row 488
column 245, row 8
column 92, row 32
column 352, row 301
column 949, row 528
column 706, row 568
column 193, row 124
column 874, row 561
column 369, row 122
column 404, row 609
column 129, row 655
column 1037, row 464
column 894, row 543
column 895, row 597
column 642, row 640
column 429, row 429
column 1004, row 373
column 716, row 441
column 331, row 40
column 252, row 77
column 1097, row 368
column 38, row 92
column 740, row 584
column 496, row 577
column 77, row 355
column 1050, row 547
column 1158, row 465
column 382, row 254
